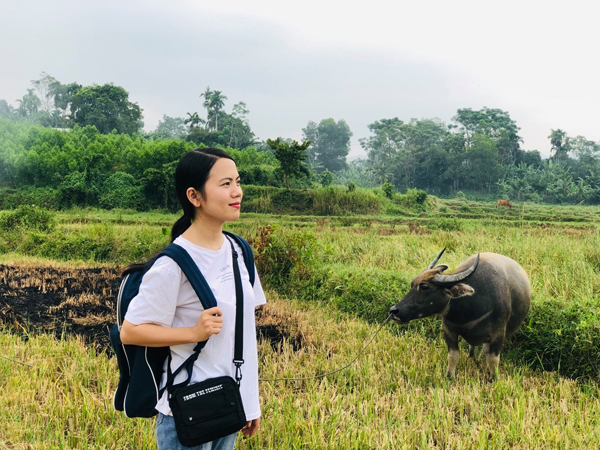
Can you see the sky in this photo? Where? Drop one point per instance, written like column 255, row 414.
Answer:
column 295, row 62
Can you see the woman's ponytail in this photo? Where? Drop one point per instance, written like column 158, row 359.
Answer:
column 180, row 226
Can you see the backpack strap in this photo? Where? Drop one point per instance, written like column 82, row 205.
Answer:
column 246, row 252
column 193, row 274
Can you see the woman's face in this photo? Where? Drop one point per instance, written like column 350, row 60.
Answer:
column 222, row 193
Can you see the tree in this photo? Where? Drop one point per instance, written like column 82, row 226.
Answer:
column 561, row 145
column 217, row 101
column 290, row 156
column 46, row 88
column 106, row 107
column 29, row 104
column 482, row 162
column 193, row 120
column 6, row 110
column 331, row 144
column 495, row 124
column 170, row 128
column 207, row 94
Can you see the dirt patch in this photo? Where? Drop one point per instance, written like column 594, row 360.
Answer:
column 82, row 301
column 278, row 327
column 59, row 300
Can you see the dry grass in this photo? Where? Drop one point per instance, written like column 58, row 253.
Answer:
column 395, row 397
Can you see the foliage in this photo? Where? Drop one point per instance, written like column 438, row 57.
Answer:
column 279, row 254
column 290, row 156
column 326, row 178
column 27, row 218
column 121, row 190
column 414, row 199
column 388, row 189
column 106, row 107
column 330, row 144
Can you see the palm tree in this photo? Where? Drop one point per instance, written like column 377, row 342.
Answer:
column 193, row 119
column 29, row 104
column 560, row 143
column 217, row 101
column 207, row 94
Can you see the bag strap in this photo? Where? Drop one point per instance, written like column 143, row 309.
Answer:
column 193, row 274
column 247, row 252
column 238, row 352
column 200, row 281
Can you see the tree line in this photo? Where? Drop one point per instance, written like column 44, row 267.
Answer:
column 106, row 149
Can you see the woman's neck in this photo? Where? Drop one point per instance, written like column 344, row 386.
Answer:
column 205, row 234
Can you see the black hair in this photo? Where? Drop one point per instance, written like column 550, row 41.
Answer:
column 192, row 170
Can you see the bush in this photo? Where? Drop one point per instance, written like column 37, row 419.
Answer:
column 338, row 201
column 28, row 195
column 560, row 339
column 326, row 178
column 446, row 224
column 414, row 199
column 351, row 187
column 121, row 190
column 280, row 254
column 388, row 189
column 28, row 218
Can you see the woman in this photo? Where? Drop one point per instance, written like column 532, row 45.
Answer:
column 167, row 311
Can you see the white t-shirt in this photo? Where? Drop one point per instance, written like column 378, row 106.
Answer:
column 166, row 298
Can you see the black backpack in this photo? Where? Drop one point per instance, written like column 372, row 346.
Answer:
column 141, row 368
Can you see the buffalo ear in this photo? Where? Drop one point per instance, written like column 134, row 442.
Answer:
column 460, row 290
column 440, row 268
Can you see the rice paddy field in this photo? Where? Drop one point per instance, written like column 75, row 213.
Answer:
column 330, row 282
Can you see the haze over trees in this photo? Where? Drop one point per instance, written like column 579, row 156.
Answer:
column 479, row 152
column 330, row 144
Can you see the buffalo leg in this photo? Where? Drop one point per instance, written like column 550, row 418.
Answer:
column 492, row 356
column 453, row 353
column 471, row 351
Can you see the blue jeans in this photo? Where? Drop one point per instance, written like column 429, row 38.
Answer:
column 166, row 437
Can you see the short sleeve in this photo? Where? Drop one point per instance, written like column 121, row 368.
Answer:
column 157, row 299
column 259, row 294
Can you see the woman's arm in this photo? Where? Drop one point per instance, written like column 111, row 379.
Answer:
column 149, row 335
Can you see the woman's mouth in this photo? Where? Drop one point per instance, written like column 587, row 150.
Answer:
column 235, row 205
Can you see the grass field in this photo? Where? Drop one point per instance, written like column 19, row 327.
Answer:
column 326, row 297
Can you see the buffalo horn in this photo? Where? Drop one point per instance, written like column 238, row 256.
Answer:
column 457, row 277
column 437, row 258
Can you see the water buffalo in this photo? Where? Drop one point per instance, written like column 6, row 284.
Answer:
column 487, row 310
column 504, row 203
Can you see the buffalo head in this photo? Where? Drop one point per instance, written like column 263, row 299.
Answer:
column 430, row 292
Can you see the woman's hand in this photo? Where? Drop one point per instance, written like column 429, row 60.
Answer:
column 209, row 323
column 251, row 427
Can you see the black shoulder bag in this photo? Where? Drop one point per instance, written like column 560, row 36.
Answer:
column 213, row 408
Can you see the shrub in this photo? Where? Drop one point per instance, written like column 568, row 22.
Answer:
column 326, row 178
column 351, row 187
column 388, row 189
column 280, row 254
column 28, row 218
column 559, row 337
column 446, row 224
column 121, row 190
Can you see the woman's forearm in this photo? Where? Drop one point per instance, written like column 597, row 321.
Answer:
column 149, row 335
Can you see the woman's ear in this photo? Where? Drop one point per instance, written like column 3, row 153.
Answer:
column 194, row 197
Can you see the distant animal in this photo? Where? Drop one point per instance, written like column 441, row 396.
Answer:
column 504, row 203
column 487, row 310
